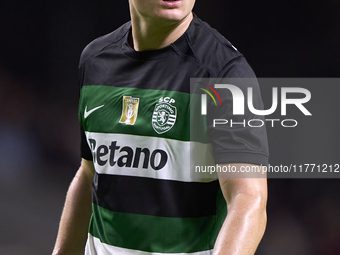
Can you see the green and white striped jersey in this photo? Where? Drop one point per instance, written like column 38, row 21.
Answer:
column 135, row 112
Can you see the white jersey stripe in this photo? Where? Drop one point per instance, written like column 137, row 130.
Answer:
column 95, row 247
column 182, row 157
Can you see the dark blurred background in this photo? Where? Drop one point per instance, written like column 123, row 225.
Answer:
column 40, row 44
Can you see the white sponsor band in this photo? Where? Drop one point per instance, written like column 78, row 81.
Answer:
column 95, row 247
column 152, row 157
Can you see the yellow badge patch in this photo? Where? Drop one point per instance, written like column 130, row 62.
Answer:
column 129, row 110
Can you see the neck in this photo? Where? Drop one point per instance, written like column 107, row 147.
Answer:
column 153, row 34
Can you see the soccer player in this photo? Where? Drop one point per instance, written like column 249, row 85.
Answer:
column 134, row 109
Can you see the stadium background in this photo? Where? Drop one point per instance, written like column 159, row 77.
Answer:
column 40, row 44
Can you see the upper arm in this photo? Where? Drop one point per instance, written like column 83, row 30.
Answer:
column 253, row 188
column 86, row 170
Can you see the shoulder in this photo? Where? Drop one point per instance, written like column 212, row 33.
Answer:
column 211, row 49
column 98, row 45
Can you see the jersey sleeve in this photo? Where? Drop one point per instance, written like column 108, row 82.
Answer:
column 238, row 142
column 85, row 151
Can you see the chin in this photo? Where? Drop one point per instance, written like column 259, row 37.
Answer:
column 175, row 15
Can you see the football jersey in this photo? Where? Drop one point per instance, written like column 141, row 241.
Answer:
column 135, row 113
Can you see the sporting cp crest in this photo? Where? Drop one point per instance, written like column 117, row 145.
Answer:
column 130, row 110
column 164, row 115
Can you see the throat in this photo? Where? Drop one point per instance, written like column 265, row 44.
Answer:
column 152, row 36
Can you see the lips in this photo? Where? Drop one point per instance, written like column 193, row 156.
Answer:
column 172, row 3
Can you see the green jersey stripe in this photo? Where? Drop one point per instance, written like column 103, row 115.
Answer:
column 162, row 232
column 95, row 246
column 158, row 113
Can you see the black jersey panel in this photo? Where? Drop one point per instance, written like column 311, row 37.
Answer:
column 211, row 49
column 110, row 69
column 155, row 197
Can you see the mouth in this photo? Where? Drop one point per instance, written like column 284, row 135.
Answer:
column 172, row 3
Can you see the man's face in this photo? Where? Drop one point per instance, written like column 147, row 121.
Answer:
column 175, row 10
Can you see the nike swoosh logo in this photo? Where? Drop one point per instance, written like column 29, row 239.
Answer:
column 87, row 113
